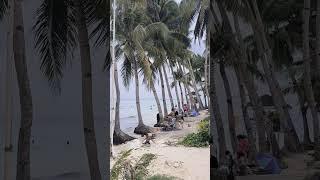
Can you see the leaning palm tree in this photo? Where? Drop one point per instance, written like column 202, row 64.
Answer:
column 130, row 34
column 54, row 44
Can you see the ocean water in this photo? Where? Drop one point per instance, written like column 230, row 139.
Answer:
column 149, row 110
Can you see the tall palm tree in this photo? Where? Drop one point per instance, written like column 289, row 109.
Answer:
column 215, row 108
column 26, row 107
column 168, row 85
column 119, row 136
column 54, row 44
column 164, row 101
column 8, row 100
column 307, row 76
column 174, row 84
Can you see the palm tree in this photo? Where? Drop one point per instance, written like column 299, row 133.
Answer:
column 307, row 76
column 8, row 115
column 168, row 85
column 119, row 136
column 174, row 84
column 164, row 101
column 26, row 107
column 193, row 81
column 215, row 108
column 318, row 38
column 53, row 45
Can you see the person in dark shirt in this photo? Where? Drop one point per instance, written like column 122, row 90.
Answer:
column 230, row 163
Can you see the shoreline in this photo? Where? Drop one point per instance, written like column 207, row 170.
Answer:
column 182, row 162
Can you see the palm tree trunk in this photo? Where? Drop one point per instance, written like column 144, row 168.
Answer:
column 87, row 105
column 168, row 86
column 157, row 101
column 195, row 86
column 204, row 95
column 187, row 99
column 141, row 128
column 246, row 119
column 26, row 107
column 119, row 137
column 8, row 112
column 303, row 108
column 231, row 118
column 291, row 138
column 188, row 92
column 176, row 89
column 306, row 132
column 165, row 109
column 206, row 76
column 248, row 81
column 215, row 113
column 318, row 38
column 307, row 78
column 181, row 94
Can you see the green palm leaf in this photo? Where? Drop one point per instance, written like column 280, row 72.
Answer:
column 55, row 35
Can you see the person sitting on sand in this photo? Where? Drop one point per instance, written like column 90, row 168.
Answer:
column 158, row 118
column 149, row 137
column 172, row 113
column 230, row 164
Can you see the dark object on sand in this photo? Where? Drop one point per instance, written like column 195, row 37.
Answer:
column 158, row 118
column 268, row 163
column 214, row 162
column 313, row 176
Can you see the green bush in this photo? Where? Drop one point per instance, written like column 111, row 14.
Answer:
column 129, row 170
column 161, row 177
column 199, row 139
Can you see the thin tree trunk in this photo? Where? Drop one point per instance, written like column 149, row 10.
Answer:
column 252, row 91
column 246, row 119
column 303, row 108
column 163, row 94
column 157, row 101
column 307, row 78
column 231, row 118
column 187, row 99
column 204, row 95
column 306, row 132
column 215, row 113
column 318, row 39
column 87, row 105
column 181, row 94
column 168, row 86
column 26, row 107
column 195, row 86
column 176, row 89
column 206, row 76
column 8, row 149
column 291, row 138
column 119, row 137
column 188, row 92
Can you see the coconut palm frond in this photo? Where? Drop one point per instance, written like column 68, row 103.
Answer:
column 126, row 71
column 3, row 8
column 51, row 39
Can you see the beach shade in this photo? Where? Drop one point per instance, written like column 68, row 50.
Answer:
column 268, row 163
column 194, row 113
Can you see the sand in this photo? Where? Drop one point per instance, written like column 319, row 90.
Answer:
column 297, row 170
column 187, row 163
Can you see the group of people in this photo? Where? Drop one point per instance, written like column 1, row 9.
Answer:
column 234, row 166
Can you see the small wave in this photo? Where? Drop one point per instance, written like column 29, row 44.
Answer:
column 129, row 117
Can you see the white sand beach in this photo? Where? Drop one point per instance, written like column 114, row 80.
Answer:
column 187, row 163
